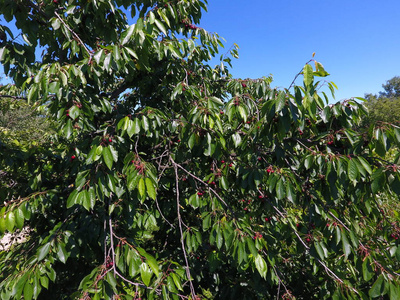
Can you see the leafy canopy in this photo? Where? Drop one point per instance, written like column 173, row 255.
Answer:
column 169, row 179
column 385, row 107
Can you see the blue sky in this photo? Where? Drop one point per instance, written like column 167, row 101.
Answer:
column 358, row 42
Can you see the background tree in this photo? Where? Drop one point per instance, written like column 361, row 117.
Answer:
column 385, row 107
column 24, row 131
column 168, row 178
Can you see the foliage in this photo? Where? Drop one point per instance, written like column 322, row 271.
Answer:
column 385, row 107
column 169, row 179
column 24, row 131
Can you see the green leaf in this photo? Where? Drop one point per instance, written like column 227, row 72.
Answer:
column 378, row 180
column 43, row 251
column 164, row 17
column 133, row 127
column 151, row 261
column 352, row 170
column 280, row 189
column 261, row 266
column 74, row 112
column 319, row 249
column 192, row 140
column 108, row 157
column 368, row 273
column 2, row 224
column 224, row 183
column 152, row 17
column 84, row 198
column 171, row 285
column 55, row 23
column 242, row 112
column 141, row 187
column 309, row 161
column 219, row 238
column 320, row 71
column 44, row 281
column 114, row 153
column 18, row 287
column 92, row 197
column 19, row 218
column 10, row 221
column 160, row 26
column 365, row 164
column 28, row 291
column 145, row 123
column 345, row 243
column 62, row 253
column 110, row 277
column 145, row 273
column 206, row 222
column 127, row 34
column 237, row 139
column 338, row 235
column 290, row 193
column 71, row 201
column 177, row 281
column 394, row 291
column 377, row 288
column 308, row 75
column 151, row 191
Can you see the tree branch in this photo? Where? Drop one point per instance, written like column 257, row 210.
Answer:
column 192, row 291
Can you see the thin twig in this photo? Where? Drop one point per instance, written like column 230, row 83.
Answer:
column 111, row 237
column 210, row 188
column 327, row 270
column 298, row 74
column 192, row 291
column 13, row 97
column 74, row 34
